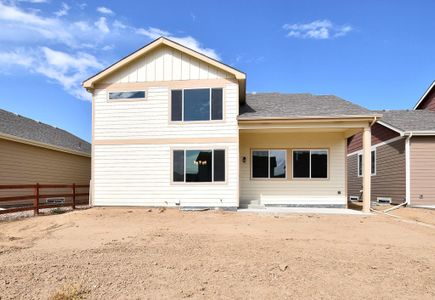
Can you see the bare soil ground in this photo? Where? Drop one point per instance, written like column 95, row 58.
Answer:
column 108, row 253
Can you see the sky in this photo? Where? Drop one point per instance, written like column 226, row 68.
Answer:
column 378, row 54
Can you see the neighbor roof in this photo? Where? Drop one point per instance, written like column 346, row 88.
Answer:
column 299, row 106
column 409, row 120
column 27, row 130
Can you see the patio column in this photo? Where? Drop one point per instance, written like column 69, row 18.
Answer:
column 367, row 168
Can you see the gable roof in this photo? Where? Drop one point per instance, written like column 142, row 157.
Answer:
column 22, row 129
column 409, row 121
column 299, row 106
column 239, row 75
column 422, row 98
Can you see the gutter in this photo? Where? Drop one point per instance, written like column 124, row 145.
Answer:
column 408, row 169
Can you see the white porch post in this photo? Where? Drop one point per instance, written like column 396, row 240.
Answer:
column 367, row 168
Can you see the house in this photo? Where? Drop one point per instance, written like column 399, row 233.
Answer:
column 33, row 152
column 403, row 156
column 173, row 127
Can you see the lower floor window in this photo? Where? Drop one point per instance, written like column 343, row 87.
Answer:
column 198, row 165
column 310, row 163
column 269, row 163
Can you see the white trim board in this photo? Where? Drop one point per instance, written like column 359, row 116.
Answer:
column 377, row 145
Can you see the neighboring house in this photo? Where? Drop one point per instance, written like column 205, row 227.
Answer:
column 173, row 127
column 403, row 155
column 33, row 152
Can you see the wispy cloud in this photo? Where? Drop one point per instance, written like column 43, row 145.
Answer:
column 318, row 30
column 63, row 11
column 67, row 49
column 105, row 10
column 187, row 41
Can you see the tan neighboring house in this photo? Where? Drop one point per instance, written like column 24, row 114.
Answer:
column 173, row 127
column 33, row 152
column 403, row 156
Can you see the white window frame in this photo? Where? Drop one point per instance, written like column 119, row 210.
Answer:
column 126, row 99
column 268, row 169
column 212, row 169
column 309, row 178
column 359, row 167
column 210, row 105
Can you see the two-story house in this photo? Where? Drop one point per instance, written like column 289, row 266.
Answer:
column 173, row 127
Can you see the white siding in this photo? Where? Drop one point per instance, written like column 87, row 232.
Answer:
column 141, row 175
column 128, row 168
column 165, row 64
column 294, row 191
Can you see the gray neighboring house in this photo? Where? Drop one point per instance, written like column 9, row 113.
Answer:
column 33, row 152
column 403, row 156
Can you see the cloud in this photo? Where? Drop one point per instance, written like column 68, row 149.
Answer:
column 318, row 30
column 187, row 41
column 101, row 24
column 105, row 10
column 34, row 1
column 63, row 11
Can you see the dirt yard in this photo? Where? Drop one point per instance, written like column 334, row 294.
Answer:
column 140, row 254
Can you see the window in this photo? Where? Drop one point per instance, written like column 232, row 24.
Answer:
column 310, row 163
column 360, row 163
column 269, row 164
column 127, row 95
column 197, row 104
column 198, row 165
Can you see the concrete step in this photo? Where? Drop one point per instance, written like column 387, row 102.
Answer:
column 256, row 206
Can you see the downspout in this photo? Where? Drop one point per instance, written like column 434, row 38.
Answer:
column 374, row 121
column 408, row 168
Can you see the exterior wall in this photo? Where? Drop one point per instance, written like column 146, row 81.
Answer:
column 132, row 140
column 294, row 191
column 422, row 162
column 379, row 134
column 429, row 101
column 389, row 180
column 166, row 64
column 25, row 164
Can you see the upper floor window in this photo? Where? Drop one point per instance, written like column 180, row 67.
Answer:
column 126, row 95
column 360, row 163
column 197, row 104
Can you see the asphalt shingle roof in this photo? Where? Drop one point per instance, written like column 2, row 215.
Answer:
column 409, row 120
column 294, row 106
column 29, row 129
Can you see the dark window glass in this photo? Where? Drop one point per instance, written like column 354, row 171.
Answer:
column 219, row 165
column 319, row 164
column 178, row 165
column 216, row 104
column 277, row 163
column 373, row 162
column 198, row 165
column 260, row 164
column 197, row 105
column 301, row 164
column 127, row 95
column 359, row 165
column 177, row 105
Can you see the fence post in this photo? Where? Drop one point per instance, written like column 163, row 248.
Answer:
column 74, row 196
column 36, row 201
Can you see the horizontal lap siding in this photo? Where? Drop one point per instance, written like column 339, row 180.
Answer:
column 389, row 180
column 379, row 134
column 422, row 170
column 294, row 191
column 141, row 175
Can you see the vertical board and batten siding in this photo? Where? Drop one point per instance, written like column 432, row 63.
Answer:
column 139, row 173
column 294, row 191
column 429, row 102
column 422, row 161
column 166, row 64
column 389, row 180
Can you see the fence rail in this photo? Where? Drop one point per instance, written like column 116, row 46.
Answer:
column 37, row 196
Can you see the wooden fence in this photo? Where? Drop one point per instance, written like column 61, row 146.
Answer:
column 36, row 196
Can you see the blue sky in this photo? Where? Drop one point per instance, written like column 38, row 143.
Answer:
column 378, row 54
